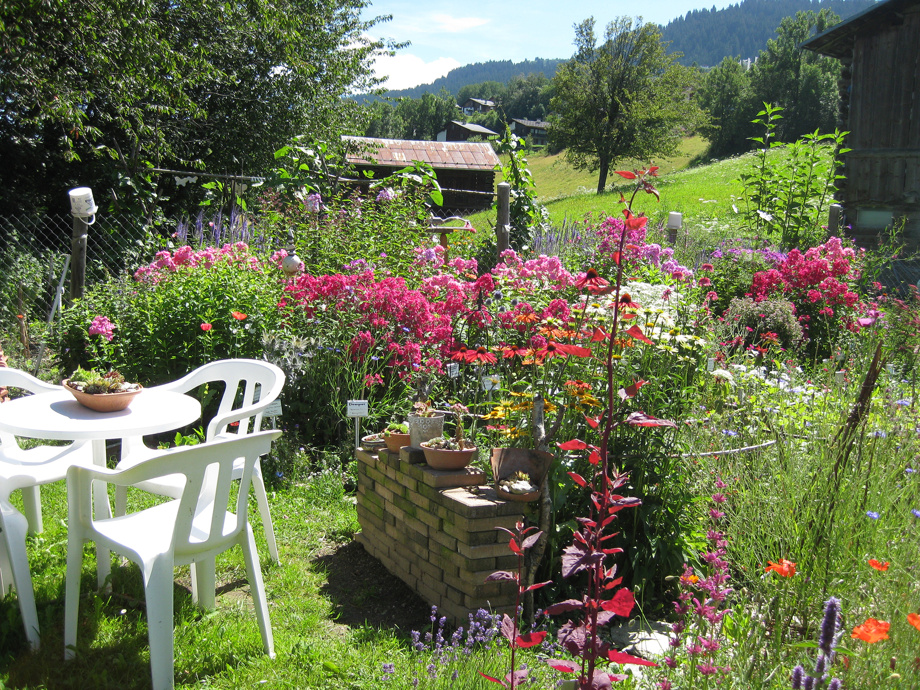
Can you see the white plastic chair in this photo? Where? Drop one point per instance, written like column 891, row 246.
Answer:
column 26, row 470
column 48, row 463
column 241, row 379
column 191, row 529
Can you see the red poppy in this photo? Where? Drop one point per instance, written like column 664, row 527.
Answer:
column 238, row 315
column 480, row 354
column 784, row 568
column 881, row 567
column 592, row 281
column 206, row 327
column 871, row 631
column 914, row 620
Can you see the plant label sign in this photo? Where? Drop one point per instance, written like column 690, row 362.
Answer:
column 358, row 408
column 273, row 409
column 453, row 370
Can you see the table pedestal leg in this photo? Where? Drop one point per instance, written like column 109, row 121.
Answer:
column 101, row 509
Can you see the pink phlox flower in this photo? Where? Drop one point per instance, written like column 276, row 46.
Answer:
column 102, row 326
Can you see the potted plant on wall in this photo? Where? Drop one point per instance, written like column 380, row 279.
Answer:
column 396, row 435
column 425, row 423
column 446, row 453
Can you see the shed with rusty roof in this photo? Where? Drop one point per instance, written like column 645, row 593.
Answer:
column 465, row 170
column 879, row 49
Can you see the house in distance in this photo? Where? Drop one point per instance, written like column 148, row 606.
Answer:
column 465, row 169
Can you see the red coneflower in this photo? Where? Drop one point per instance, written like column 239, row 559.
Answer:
column 592, row 281
column 626, row 301
column 480, row 354
column 459, row 355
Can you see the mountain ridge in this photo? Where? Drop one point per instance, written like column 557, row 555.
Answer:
column 703, row 36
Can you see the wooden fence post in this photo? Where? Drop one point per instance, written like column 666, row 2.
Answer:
column 78, row 262
column 503, row 222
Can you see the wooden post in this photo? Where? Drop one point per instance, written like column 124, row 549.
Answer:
column 503, row 222
column 833, row 220
column 78, row 262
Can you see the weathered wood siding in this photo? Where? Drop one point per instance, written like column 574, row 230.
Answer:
column 883, row 168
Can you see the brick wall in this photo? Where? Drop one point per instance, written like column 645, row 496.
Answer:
column 435, row 530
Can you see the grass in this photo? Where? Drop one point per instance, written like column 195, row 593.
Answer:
column 221, row 648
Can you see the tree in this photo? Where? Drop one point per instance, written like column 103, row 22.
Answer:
column 801, row 82
column 101, row 91
column 528, row 97
column 624, row 98
column 725, row 96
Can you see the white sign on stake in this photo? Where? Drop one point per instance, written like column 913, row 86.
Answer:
column 358, row 408
column 453, row 370
column 273, row 409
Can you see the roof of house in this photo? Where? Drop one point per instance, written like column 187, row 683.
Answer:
column 454, row 155
column 838, row 40
column 536, row 124
column 480, row 101
column 474, row 128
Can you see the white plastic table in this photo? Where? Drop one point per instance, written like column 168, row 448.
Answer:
column 58, row 416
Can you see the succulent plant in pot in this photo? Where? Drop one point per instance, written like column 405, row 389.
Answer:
column 108, row 392
column 396, row 435
column 425, row 422
column 449, row 453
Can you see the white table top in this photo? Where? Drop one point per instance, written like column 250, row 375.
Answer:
column 59, row 416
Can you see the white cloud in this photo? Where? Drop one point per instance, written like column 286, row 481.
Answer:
column 455, row 25
column 404, row 71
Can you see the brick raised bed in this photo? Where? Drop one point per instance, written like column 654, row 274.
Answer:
column 435, row 530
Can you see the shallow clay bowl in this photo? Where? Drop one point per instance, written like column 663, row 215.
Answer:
column 103, row 402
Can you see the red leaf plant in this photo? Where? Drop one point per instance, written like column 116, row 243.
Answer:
column 589, row 552
column 522, row 538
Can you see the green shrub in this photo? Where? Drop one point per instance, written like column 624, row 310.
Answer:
column 746, row 322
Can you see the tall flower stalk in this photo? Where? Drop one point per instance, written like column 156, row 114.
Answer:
column 589, row 551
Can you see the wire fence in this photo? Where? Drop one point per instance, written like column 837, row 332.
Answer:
column 35, row 261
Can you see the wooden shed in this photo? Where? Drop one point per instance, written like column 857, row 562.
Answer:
column 879, row 49
column 465, row 170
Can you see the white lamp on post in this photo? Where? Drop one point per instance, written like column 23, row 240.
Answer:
column 82, row 207
column 675, row 223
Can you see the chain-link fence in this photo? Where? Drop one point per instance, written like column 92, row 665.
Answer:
column 35, row 263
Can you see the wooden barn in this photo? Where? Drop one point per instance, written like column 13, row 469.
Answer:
column 879, row 49
column 465, row 170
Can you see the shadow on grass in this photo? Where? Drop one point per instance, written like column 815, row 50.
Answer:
column 364, row 593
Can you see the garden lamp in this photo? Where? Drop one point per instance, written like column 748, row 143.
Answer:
column 82, row 205
column 675, row 222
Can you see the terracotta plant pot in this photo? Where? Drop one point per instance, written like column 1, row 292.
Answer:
column 395, row 441
column 441, row 459
column 102, row 402
column 423, row 429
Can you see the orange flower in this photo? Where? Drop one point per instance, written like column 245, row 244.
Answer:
column 881, row 567
column 914, row 620
column 784, row 568
column 871, row 631
column 238, row 315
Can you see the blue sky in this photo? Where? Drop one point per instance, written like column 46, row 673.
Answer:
column 445, row 34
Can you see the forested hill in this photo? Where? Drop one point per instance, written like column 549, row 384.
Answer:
column 742, row 30
column 703, row 36
column 493, row 70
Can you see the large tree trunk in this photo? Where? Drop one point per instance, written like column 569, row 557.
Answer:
column 602, row 175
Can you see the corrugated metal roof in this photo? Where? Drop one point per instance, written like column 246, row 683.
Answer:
column 454, row 155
